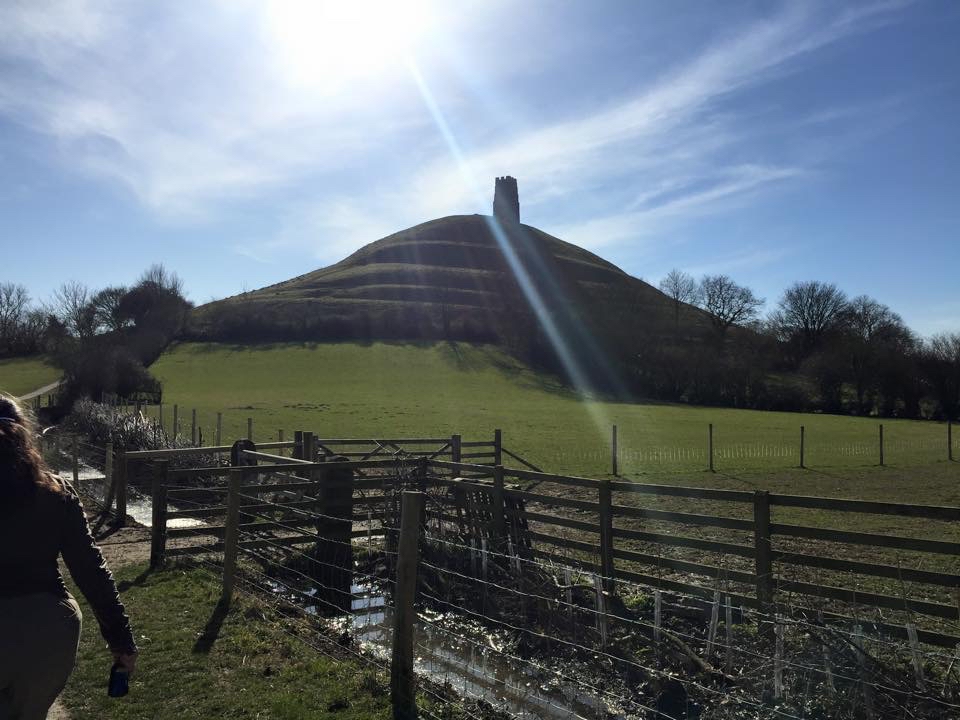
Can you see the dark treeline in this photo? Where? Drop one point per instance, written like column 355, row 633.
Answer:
column 817, row 349
column 102, row 340
column 702, row 342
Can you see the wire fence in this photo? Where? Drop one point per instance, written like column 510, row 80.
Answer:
column 862, row 442
column 82, row 463
column 500, row 632
column 504, row 629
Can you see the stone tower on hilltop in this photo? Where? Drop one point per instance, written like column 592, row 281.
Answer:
column 506, row 201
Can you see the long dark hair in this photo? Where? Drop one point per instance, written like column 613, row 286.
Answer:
column 22, row 468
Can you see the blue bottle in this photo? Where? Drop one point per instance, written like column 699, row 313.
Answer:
column 119, row 682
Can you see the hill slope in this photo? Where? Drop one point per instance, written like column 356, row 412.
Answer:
column 436, row 389
column 19, row 376
column 457, row 278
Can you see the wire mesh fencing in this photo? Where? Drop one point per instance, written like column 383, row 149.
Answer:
column 499, row 630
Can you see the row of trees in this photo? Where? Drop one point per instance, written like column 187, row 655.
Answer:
column 817, row 349
column 840, row 354
column 102, row 339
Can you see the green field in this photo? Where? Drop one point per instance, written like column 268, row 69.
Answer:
column 403, row 390
column 196, row 663
column 19, row 376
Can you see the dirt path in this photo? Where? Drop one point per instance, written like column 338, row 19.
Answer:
column 58, row 712
column 125, row 546
column 41, row 391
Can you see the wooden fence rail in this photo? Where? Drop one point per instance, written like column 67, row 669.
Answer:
column 612, row 539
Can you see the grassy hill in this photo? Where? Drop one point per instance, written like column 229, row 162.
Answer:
column 436, row 389
column 452, row 278
column 19, row 376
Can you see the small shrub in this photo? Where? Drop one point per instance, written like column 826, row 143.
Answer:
column 101, row 424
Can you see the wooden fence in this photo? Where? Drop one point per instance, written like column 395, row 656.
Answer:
column 308, row 445
column 598, row 525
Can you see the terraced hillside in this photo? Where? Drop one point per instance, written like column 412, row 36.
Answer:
column 452, row 279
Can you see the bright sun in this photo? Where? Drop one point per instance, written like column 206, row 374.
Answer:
column 343, row 37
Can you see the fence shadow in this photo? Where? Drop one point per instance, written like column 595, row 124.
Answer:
column 140, row 579
column 212, row 629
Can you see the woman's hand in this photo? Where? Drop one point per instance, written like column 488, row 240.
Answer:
column 127, row 662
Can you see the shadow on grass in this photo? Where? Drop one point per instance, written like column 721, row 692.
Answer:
column 139, row 580
column 212, row 630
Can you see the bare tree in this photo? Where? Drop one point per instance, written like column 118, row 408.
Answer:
column 869, row 320
column 14, row 300
column 807, row 311
column 873, row 336
column 727, row 303
column 941, row 360
column 71, row 306
column 681, row 288
column 163, row 279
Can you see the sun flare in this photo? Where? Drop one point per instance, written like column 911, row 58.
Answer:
column 319, row 38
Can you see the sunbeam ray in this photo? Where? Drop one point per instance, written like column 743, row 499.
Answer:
column 531, row 293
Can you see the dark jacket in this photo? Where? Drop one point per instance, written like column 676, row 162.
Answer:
column 44, row 526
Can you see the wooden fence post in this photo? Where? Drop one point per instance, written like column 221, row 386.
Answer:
column 606, row 535
column 613, row 452
column 497, row 447
column 280, row 451
column 402, row 678
column 76, row 460
column 122, row 481
column 193, row 426
column 158, row 529
column 864, row 671
column 297, row 445
column 881, row 444
column 309, row 446
column 250, row 429
column 108, row 467
column 499, row 509
column 710, row 445
column 761, row 545
column 231, row 537
column 456, row 448
column 802, row 444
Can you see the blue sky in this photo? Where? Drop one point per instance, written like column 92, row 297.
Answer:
column 242, row 143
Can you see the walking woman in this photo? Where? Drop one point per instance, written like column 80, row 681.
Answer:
column 41, row 518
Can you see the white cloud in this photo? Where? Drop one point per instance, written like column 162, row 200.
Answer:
column 325, row 232
column 719, row 195
column 191, row 110
column 178, row 109
column 750, row 259
column 669, row 136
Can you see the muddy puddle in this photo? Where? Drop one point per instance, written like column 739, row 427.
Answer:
column 467, row 667
column 91, row 483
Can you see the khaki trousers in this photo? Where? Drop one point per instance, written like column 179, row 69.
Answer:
column 39, row 634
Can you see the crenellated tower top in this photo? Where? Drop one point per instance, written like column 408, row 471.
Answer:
column 506, row 200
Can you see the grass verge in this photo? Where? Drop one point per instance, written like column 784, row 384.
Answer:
column 196, row 665
column 19, row 376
